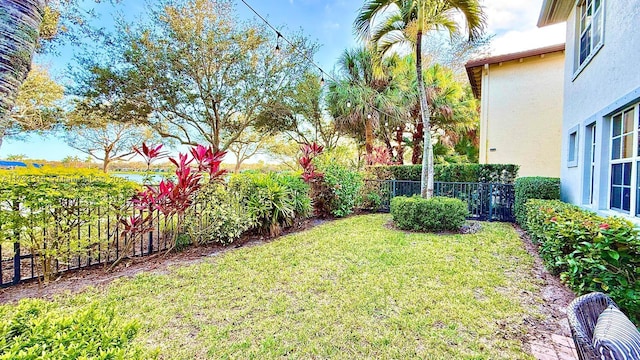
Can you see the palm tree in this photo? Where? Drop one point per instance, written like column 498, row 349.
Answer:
column 405, row 21
column 19, row 30
column 357, row 99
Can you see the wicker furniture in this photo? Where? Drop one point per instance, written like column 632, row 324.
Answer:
column 583, row 314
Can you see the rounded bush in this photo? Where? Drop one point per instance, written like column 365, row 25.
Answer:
column 435, row 214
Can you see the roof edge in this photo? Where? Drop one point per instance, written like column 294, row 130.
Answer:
column 515, row 56
column 554, row 11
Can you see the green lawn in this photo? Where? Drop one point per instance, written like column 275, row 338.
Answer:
column 348, row 289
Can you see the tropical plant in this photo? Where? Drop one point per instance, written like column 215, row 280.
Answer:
column 171, row 199
column 269, row 201
column 219, row 216
column 360, row 101
column 405, row 22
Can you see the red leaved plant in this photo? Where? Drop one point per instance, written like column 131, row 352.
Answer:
column 171, row 198
column 320, row 192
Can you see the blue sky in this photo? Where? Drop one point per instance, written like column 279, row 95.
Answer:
column 328, row 22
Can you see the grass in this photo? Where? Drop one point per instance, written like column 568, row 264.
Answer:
column 348, row 289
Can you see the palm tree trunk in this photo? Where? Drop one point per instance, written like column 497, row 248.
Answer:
column 368, row 140
column 416, row 156
column 19, row 30
column 400, row 146
column 426, row 178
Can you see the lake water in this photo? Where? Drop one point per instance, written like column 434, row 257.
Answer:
column 139, row 178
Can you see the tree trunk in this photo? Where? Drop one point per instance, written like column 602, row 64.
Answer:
column 106, row 162
column 368, row 140
column 19, row 30
column 400, row 147
column 426, row 178
column 416, row 157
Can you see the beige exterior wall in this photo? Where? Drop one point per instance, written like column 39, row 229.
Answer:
column 521, row 114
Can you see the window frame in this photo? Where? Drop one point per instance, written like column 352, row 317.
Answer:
column 594, row 48
column 572, row 149
column 590, row 162
column 633, row 160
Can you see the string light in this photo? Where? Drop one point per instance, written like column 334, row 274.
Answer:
column 369, row 116
column 305, row 55
column 278, row 43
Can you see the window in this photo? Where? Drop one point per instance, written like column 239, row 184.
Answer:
column 591, row 158
column 572, row 158
column 590, row 29
column 625, row 161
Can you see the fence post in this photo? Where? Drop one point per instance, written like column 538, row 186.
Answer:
column 490, row 202
column 16, row 250
column 393, row 192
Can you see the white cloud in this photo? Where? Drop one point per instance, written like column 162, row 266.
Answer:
column 532, row 38
column 514, row 26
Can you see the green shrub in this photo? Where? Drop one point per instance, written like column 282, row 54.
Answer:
column 53, row 213
column 457, row 172
column 273, row 201
column 299, row 193
column 217, row 216
column 435, row 214
column 590, row 252
column 494, row 173
column 344, row 186
column 36, row 329
column 533, row 188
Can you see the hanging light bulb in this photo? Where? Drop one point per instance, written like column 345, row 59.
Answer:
column 278, row 43
column 321, row 77
column 369, row 116
column 348, row 103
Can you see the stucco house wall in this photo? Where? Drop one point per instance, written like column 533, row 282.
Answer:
column 521, row 110
column 607, row 84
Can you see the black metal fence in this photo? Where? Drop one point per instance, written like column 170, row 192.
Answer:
column 85, row 234
column 486, row 201
column 90, row 236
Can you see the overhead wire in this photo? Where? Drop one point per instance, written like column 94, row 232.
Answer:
column 307, row 57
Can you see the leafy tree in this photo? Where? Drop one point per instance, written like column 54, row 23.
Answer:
column 107, row 143
column 196, row 72
column 248, row 145
column 300, row 116
column 405, row 21
column 35, row 108
column 17, row 157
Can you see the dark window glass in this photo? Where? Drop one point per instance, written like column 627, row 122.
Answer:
column 627, row 174
column 626, row 199
column 616, row 201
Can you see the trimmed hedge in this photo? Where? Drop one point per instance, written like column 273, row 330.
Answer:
column 589, row 252
column 494, row 173
column 534, row 187
column 435, row 214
